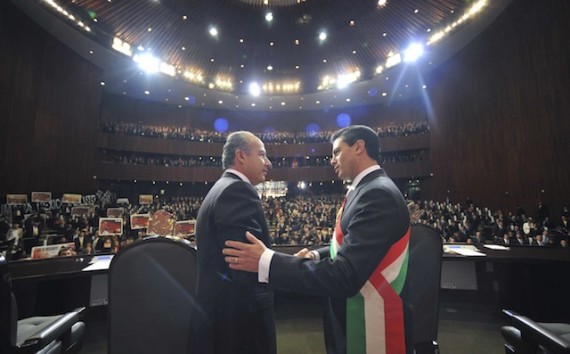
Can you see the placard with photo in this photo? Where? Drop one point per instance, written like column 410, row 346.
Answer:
column 145, row 199
column 115, row 212
column 185, row 228
column 71, row 198
column 16, row 199
column 80, row 210
column 110, row 226
column 41, row 197
column 139, row 221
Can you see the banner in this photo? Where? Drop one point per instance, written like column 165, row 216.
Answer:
column 50, row 251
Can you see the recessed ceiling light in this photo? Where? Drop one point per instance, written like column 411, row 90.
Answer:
column 269, row 67
column 269, row 17
column 213, row 31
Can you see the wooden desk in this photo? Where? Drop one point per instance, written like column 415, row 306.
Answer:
column 526, row 279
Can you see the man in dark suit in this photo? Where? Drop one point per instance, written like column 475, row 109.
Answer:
column 235, row 312
column 364, row 271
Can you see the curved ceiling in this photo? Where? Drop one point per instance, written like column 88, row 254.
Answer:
column 285, row 56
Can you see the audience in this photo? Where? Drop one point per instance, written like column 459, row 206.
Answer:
column 269, row 137
column 136, row 158
column 306, row 219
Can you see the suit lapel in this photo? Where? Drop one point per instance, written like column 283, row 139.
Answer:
column 352, row 196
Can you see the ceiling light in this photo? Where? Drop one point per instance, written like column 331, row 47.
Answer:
column 322, row 36
column 381, row 3
column 213, row 31
column 269, row 67
column 254, row 89
column 147, row 62
column 269, row 17
column 413, row 52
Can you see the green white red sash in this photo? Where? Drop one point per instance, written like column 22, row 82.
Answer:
column 375, row 316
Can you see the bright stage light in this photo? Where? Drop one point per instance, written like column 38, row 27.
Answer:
column 254, row 89
column 413, row 52
column 147, row 62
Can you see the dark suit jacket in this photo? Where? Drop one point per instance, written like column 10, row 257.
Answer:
column 375, row 217
column 235, row 312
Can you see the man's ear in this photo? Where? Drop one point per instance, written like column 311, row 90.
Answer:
column 239, row 157
column 360, row 146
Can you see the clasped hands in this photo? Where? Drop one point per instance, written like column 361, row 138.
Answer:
column 245, row 256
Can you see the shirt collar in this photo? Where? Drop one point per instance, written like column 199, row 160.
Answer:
column 361, row 175
column 239, row 174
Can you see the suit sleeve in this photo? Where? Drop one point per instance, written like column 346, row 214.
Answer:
column 239, row 210
column 376, row 223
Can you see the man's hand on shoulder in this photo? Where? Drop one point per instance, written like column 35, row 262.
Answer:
column 244, row 256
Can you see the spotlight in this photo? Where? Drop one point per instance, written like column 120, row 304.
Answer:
column 254, row 89
column 413, row 52
column 147, row 62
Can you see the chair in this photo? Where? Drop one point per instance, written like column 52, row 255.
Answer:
column 423, row 283
column 43, row 335
column 525, row 336
column 152, row 286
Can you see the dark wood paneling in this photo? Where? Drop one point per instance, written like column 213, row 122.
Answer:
column 50, row 100
column 500, row 129
column 500, row 112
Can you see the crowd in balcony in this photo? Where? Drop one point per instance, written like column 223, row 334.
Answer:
column 269, row 137
column 137, row 158
column 293, row 220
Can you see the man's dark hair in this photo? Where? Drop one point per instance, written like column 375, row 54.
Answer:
column 353, row 133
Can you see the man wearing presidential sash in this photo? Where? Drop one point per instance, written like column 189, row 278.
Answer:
column 363, row 272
